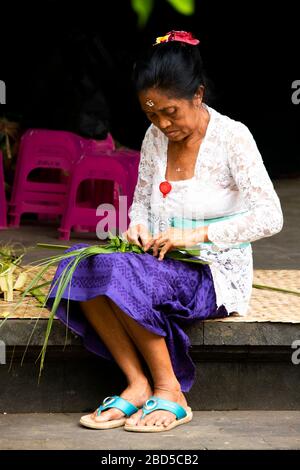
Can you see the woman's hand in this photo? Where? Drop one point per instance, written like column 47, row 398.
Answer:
column 135, row 232
column 176, row 238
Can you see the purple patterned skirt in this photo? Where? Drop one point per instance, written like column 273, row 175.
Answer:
column 161, row 296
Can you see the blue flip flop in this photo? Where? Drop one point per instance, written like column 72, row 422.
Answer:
column 154, row 403
column 110, row 402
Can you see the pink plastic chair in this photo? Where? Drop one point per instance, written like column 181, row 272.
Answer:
column 93, row 168
column 107, row 191
column 3, row 206
column 130, row 159
column 94, row 147
column 90, row 190
column 91, row 147
column 43, row 149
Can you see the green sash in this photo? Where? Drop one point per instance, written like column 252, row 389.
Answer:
column 178, row 222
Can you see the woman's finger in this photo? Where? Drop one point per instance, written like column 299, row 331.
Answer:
column 164, row 250
column 125, row 235
column 137, row 242
column 152, row 243
column 146, row 240
column 148, row 245
column 158, row 244
column 155, row 246
column 132, row 237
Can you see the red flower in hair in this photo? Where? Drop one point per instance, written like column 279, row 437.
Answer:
column 182, row 36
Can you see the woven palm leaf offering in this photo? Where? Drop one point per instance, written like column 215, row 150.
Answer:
column 12, row 274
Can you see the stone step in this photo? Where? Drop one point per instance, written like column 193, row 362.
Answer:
column 239, row 366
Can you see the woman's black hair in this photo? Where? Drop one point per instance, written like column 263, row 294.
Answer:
column 174, row 67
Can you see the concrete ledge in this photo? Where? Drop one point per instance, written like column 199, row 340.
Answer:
column 17, row 332
column 252, row 334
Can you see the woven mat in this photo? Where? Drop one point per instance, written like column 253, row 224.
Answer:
column 265, row 305
column 269, row 305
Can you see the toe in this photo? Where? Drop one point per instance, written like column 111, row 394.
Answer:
column 148, row 421
column 166, row 422
column 109, row 415
column 156, row 418
column 134, row 419
column 159, row 418
column 158, row 422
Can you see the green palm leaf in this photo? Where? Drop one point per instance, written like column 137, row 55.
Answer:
column 185, row 7
column 143, row 9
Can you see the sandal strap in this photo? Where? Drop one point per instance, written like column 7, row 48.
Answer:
column 117, row 402
column 155, row 403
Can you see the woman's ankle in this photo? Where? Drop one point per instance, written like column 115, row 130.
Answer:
column 139, row 381
column 170, row 386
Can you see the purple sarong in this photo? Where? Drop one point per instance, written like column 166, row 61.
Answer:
column 161, row 296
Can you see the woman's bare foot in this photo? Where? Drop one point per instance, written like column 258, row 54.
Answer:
column 136, row 393
column 160, row 417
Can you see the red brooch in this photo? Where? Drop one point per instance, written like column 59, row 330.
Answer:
column 165, row 188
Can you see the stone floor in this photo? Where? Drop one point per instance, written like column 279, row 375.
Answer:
column 208, row 430
column 282, row 251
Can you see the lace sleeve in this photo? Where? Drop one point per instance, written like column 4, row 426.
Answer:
column 264, row 215
column 139, row 211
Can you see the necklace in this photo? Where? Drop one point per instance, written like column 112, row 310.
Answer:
column 165, row 187
column 179, row 169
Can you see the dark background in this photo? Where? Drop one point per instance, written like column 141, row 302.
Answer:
column 68, row 66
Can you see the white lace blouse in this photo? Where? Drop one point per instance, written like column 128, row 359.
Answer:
column 229, row 179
